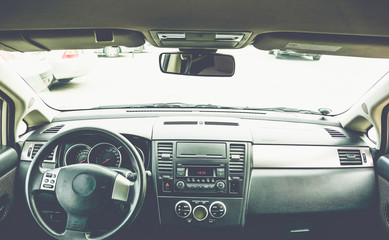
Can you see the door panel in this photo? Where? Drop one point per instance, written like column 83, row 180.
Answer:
column 8, row 163
column 382, row 167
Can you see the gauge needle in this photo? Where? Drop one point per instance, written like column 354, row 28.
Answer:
column 83, row 161
column 105, row 161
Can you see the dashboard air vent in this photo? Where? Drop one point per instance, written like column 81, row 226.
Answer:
column 165, row 156
column 335, row 133
column 349, row 157
column 35, row 150
column 54, row 129
column 237, row 157
column 181, row 123
column 156, row 111
column 222, row 123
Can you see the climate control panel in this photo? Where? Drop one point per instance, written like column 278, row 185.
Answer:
column 202, row 209
column 201, row 212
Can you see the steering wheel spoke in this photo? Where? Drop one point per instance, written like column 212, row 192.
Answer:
column 73, row 234
column 45, row 180
column 49, row 180
column 121, row 188
column 76, row 223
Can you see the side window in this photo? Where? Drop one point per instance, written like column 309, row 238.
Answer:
column 372, row 134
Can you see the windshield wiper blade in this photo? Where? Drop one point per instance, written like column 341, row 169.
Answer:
column 165, row 105
column 284, row 109
column 205, row 106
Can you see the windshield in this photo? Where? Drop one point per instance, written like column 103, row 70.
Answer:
column 112, row 77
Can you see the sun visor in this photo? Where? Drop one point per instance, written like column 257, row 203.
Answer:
column 68, row 39
column 14, row 41
column 325, row 44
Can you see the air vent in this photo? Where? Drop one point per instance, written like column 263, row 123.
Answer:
column 349, row 157
column 159, row 110
column 35, row 150
column 54, row 129
column 335, row 133
column 232, row 112
column 193, row 110
column 237, row 157
column 222, row 123
column 181, row 123
column 165, row 156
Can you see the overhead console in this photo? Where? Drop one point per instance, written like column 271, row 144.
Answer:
column 199, row 39
column 201, row 184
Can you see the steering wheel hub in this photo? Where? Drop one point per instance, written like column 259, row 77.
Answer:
column 84, row 184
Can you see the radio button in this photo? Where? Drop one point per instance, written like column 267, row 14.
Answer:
column 220, row 172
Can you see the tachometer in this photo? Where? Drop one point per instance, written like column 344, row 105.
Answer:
column 77, row 153
column 105, row 154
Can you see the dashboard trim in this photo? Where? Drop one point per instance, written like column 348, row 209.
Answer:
column 287, row 156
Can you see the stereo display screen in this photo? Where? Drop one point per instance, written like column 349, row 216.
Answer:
column 200, row 172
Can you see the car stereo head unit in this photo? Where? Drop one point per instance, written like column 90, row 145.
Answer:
column 200, row 178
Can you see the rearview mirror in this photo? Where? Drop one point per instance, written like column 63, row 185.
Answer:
column 197, row 64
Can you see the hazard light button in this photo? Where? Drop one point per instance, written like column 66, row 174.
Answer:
column 167, row 185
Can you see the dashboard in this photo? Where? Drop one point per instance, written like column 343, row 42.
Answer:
column 227, row 170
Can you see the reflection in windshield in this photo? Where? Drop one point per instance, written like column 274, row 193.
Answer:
column 260, row 81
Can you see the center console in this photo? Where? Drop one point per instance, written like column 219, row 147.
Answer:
column 201, row 184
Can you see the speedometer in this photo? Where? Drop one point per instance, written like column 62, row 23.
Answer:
column 105, row 154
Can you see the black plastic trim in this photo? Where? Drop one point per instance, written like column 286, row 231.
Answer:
column 382, row 167
column 384, row 133
column 8, row 159
column 10, row 119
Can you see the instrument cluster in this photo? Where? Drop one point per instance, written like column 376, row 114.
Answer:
column 102, row 153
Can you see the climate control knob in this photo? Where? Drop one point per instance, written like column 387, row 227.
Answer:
column 183, row 209
column 200, row 213
column 220, row 185
column 217, row 209
column 180, row 185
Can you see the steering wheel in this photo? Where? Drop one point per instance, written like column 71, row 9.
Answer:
column 83, row 190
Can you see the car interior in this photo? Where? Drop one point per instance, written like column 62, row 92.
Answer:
column 176, row 171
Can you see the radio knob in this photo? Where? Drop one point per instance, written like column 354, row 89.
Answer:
column 220, row 185
column 180, row 185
